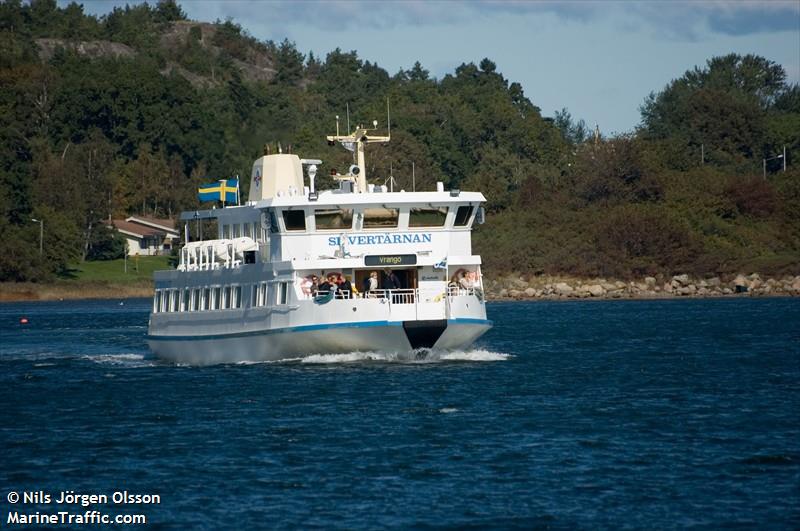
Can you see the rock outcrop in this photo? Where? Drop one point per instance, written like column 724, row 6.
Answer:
column 545, row 287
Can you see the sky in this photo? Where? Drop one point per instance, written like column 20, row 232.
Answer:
column 598, row 59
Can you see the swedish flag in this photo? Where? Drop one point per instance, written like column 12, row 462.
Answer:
column 225, row 190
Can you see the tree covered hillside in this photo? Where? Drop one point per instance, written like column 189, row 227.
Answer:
column 128, row 113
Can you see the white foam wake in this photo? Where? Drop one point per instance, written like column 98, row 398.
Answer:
column 420, row 356
column 474, row 355
column 121, row 360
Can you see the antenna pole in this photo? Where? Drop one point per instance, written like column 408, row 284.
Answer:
column 413, row 178
column 347, row 107
column 337, row 125
column 388, row 119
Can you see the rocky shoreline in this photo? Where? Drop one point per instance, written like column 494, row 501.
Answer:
column 515, row 287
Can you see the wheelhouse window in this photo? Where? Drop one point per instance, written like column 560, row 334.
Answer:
column 295, row 220
column 427, row 217
column 259, row 295
column 333, row 218
column 226, row 298
column 381, row 218
column 463, row 214
column 283, row 292
column 174, row 300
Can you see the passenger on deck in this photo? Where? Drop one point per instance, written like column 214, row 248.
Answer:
column 329, row 286
column 373, row 281
column 392, row 282
column 455, row 280
column 465, row 282
column 306, row 285
column 345, row 287
column 314, row 284
column 365, row 286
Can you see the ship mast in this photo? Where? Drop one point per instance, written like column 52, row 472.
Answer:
column 357, row 141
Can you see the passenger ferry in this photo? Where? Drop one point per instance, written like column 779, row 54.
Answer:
column 409, row 278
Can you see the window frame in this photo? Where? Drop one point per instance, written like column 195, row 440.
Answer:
column 442, row 210
column 469, row 216
column 364, row 218
column 335, row 209
column 287, row 212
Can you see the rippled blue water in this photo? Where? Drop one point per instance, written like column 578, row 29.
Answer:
column 635, row 414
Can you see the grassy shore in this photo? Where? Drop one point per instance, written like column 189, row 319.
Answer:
column 113, row 279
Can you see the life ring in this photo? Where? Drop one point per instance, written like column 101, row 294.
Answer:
column 323, row 299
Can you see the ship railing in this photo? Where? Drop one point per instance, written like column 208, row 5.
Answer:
column 396, row 296
column 338, row 294
column 458, row 291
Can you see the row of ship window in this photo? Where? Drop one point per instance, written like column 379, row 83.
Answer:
column 243, row 230
column 210, row 298
column 374, row 218
column 342, row 219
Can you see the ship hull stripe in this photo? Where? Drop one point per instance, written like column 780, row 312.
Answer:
column 305, row 328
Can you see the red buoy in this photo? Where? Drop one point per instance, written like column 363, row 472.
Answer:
column 23, row 320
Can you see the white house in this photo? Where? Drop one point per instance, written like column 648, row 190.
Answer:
column 147, row 236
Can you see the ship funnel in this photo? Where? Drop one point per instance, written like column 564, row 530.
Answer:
column 275, row 173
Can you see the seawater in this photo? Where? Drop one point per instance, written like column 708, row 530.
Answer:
column 611, row 414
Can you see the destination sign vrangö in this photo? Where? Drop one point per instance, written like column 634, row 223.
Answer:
column 379, row 239
column 390, row 260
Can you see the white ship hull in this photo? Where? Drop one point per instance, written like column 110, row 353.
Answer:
column 298, row 342
column 296, row 272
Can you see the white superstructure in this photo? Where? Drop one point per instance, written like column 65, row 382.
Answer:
column 247, row 294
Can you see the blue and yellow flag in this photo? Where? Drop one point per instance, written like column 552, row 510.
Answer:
column 225, row 190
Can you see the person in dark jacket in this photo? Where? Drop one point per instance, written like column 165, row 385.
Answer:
column 329, row 286
column 365, row 287
column 345, row 287
column 392, row 282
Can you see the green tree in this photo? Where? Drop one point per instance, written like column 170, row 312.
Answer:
column 722, row 107
column 288, row 63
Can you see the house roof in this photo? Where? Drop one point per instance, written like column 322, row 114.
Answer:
column 164, row 224
column 132, row 226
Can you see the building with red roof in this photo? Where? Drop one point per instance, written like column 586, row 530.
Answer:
column 147, row 236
